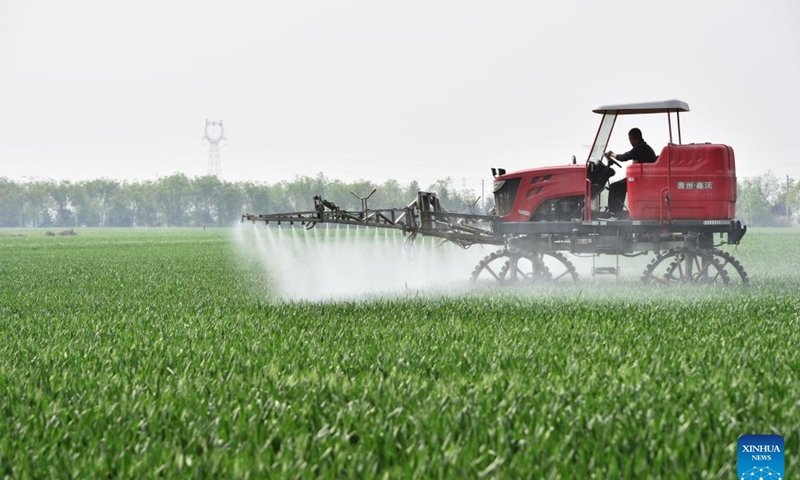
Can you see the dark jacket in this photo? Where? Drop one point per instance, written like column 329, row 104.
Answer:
column 640, row 153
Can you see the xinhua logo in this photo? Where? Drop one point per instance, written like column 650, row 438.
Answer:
column 760, row 457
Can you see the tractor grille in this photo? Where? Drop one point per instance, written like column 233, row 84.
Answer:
column 504, row 196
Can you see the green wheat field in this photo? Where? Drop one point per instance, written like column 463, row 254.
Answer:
column 163, row 354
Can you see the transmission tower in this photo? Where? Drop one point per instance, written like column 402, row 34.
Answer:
column 213, row 135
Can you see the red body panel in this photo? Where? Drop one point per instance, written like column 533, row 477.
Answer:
column 540, row 184
column 699, row 178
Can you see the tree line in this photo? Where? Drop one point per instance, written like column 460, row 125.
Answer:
column 180, row 201
column 768, row 201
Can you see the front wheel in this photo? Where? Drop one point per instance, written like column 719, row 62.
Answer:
column 518, row 266
column 509, row 267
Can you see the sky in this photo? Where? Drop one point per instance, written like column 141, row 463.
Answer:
column 378, row 90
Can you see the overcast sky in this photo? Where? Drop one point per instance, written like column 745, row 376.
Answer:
column 376, row 90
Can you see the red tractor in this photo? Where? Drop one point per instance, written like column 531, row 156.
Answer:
column 676, row 207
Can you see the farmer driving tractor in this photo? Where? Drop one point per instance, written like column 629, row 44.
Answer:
column 640, row 153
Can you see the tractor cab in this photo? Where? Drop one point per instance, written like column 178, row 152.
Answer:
column 687, row 182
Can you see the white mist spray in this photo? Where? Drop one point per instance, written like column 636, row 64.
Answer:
column 332, row 262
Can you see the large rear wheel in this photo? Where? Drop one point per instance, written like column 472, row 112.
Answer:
column 684, row 265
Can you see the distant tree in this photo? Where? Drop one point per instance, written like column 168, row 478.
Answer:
column 793, row 198
column 451, row 199
column 85, row 212
column 280, row 193
column 144, row 203
column 118, row 206
column 258, row 198
column 91, row 201
column 338, row 192
column 391, row 194
column 412, row 191
column 114, row 207
column 301, row 191
column 173, row 195
column 61, row 194
column 205, row 198
column 753, row 205
column 230, row 199
column 782, row 206
column 762, row 200
column 12, row 199
column 36, row 210
column 442, row 189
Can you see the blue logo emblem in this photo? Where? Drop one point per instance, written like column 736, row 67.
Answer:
column 760, row 457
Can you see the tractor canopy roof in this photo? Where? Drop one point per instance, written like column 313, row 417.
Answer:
column 662, row 106
column 611, row 112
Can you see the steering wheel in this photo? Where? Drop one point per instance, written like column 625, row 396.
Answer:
column 611, row 161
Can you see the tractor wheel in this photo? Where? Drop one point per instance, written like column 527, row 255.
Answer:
column 728, row 260
column 510, row 267
column 515, row 266
column 685, row 266
column 559, row 267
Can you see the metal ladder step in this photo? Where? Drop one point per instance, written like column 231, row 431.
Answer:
column 605, row 271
